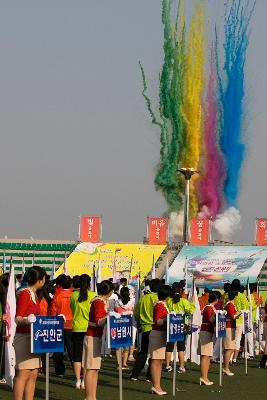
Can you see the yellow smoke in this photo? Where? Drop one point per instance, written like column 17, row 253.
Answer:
column 192, row 109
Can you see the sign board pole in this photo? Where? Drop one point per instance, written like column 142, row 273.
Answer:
column 221, row 361
column 47, row 376
column 120, row 372
column 246, row 359
column 174, row 368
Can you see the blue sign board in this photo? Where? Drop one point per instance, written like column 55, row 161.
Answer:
column 120, row 331
column 220, row 324
column 175, row 327
column 246, row 322
column 47, row 335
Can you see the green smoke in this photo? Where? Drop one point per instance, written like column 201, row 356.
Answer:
column 169, row 118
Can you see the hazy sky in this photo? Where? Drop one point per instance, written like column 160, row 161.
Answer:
column 75, row 134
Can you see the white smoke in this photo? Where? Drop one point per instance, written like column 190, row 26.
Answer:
column 228, row 223
column 176, row 221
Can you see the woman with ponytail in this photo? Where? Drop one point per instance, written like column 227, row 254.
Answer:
column 124, row 305
column 80, row 303
column 178, row 304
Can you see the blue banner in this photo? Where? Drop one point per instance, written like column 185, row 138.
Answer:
column 47, row 335
column 175, row 327
column 120, row 331
column 220, row 324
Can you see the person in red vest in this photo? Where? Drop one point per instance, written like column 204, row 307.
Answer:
column 27, row 364
column 60, row 305
column 91, row 361
column 206, row 338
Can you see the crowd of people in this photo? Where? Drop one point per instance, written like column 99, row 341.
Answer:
column 85, row 310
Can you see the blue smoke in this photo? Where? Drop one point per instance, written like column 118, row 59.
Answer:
column 231, row 91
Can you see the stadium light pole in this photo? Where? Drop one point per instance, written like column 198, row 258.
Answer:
column 188, row 173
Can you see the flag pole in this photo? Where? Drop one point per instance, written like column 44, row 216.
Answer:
column 191, row 326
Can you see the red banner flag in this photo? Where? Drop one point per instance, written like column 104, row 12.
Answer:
column 199, row 231
column 157, row 230
column 261, row 233
column 90, row 229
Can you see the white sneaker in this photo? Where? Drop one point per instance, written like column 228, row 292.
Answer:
column 78, row 384
column 181, row 370
column 82, row 385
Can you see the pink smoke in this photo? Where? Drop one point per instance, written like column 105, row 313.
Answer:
column 209, row 186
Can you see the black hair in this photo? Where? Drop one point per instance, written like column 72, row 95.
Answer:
column 164, row 292
column 232, row 294
column 182, row 283
column 66, row 282
column 253, row 287
column 236, row 284
column 105, row 287
column 85, row 281
column 176, row 292
column 125, row 295
column 59, row 279
column 110, row 280
column 242, row 289
column 219, row 295
column 207, row 290
column 227, row 287
column 35, row 274
column 76, row 281
column 147, row 282
column 123, row 280
column 162, row 281
column 45, row 291
column 213, row 296
column 155, row 285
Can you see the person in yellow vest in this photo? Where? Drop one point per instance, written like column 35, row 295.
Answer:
column 241, row 303
column 143, row 314
column 176, row 303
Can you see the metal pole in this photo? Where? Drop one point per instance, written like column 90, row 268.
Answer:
column 174, row 369
column 221, row 361
column 186, row 211
column 47, row 376
column 120, row 373
column 246, row 360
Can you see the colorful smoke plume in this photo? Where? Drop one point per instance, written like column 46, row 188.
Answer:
column 200, row 109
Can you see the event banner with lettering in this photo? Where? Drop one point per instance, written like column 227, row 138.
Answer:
column 90, row 228
column 157, row 230
column 261, row 232
column 129, row 260
column 216, row 265
column 199, row 231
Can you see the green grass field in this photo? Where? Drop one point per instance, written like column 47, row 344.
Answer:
column 241, row 387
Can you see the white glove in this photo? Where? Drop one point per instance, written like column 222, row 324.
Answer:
column 31, row 319
column 62, row 315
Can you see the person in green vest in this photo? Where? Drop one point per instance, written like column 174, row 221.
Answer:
column 80, row 303
column 143, row 314
column 241, row 303
column 177, row 304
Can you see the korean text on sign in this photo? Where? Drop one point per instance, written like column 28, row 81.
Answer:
column 175, row 327
column 47, row 335
column 246, row 322
column 220, row 324
column 120, row 331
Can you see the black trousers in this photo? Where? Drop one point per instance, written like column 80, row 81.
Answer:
column 59, row 357
column 141, row 357
column 2, row 356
